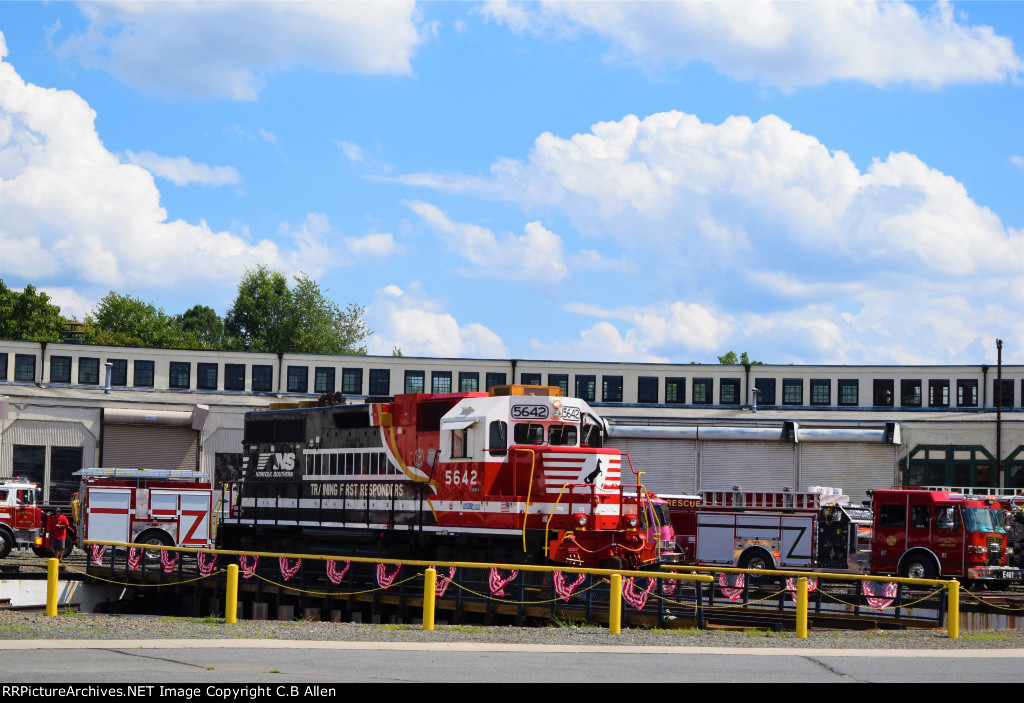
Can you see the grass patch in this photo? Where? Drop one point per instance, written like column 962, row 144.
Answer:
column 208, row 620
column 984, row 636
column 755, row 632
column 69, row 612
column 395, row 626
column 684, row 631
column 471, row 629
column 575, row 624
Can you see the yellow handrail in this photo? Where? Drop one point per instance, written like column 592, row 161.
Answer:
column 529, row 487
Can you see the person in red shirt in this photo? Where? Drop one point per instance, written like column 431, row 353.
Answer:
column 58, row 535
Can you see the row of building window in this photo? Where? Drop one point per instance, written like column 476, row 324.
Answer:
column 913, row 393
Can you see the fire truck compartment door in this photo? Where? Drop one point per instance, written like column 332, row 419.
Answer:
column 190, row 510
column 715, row 535
column 797, row 536
column 109, row 515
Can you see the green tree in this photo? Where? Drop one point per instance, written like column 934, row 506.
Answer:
column 204, row 324
column 269, row 316
column 122, row 320
column 29, row 315
column 258, row 317
column 731, row 358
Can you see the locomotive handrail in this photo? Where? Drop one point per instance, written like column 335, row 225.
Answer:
column 554, row 509
column 529, row 487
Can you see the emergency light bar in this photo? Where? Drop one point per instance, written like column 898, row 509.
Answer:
column 167, row 474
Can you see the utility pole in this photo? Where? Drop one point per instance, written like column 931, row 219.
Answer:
column 999, row 413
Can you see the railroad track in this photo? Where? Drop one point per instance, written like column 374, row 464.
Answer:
column 24, row 564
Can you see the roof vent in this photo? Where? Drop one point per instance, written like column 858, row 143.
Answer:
column 74, row 332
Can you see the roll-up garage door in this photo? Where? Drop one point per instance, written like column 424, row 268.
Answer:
column 855, row 467
column 150, row 447
column 670, row 465
column 752, row 465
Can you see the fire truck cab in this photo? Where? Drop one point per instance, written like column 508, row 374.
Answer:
column 24, row 522
column 161, row 507
column 932, row 533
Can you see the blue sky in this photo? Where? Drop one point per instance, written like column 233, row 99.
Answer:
column 810, row 182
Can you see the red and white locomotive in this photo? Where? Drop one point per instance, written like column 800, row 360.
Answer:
column 519, row 474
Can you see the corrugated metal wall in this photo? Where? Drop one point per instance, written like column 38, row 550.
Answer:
column 686, row 466
column 670, row 464
column 853, row 466
column 749, row 464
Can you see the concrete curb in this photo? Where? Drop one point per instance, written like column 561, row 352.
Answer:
column 508, row 648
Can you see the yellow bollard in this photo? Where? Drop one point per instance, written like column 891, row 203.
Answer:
column 615, row 605
column 52, row 580
column 231, row 606
column 801, row 608
column 953, row 610
column 429, row 592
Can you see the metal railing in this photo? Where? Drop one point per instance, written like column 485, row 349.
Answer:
column 524, row 591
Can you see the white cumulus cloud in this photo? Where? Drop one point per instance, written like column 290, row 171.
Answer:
column 420, row 326
column 182, row 171
column 786, row 44
column 760, row 236
column 536, row 255
column 72, row 211
column 227, row 49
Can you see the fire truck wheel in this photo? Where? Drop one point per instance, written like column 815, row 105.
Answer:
column 6, row 543
column 918, row 566
column 155, row 538
column 756, row 559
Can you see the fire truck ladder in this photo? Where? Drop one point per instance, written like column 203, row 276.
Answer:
column 143, row 474
column 778, row 500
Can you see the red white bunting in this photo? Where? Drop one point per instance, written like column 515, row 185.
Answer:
column 134, row 557
column 637, row 597
column 878, row 594
column 168, row 560
column 731, row 585
column 247, row 568
column 206, row 567
column 565, row 590
column 442, row 582
column 384, row 579
column 333, row 574
column 812, row 586
column 97, row 554
column 497, row 582
column 669, row 587
column 288, row 571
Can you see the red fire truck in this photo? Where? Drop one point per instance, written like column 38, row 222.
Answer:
column 162, row 507
column 915, row 533
column 24, row 523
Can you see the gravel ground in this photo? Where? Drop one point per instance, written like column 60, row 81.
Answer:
column 26, row 625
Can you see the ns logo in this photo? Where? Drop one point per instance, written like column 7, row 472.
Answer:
column 276, row 462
